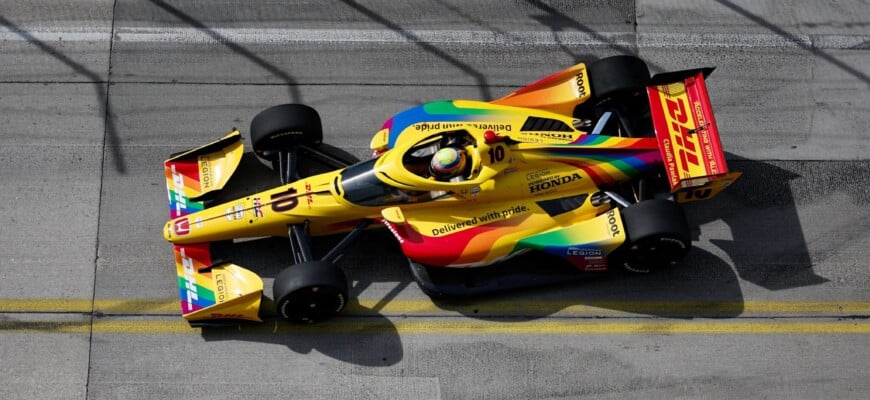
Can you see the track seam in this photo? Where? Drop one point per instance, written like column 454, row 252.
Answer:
column 106, row 115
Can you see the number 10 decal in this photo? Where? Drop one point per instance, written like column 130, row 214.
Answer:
column 284, row 201
column 496, row 154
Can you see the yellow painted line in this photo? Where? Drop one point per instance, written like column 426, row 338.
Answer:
column 137, row 306
column 506, row 308
column 562, row 327
column 106, row 306
column 143, row 327
column 7, row 326
column 45, row 305
column 580, row 307
column 465, row 327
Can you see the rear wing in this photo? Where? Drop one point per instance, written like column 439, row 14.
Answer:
column 687, row 135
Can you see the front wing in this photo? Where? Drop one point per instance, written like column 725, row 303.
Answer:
column 209, row 288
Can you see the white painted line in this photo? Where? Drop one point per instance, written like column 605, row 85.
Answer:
column 283, row 36
column 267, row 36
column 56, row 34
column 752, row 40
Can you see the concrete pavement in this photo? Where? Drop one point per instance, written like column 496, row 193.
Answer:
column 772, row 301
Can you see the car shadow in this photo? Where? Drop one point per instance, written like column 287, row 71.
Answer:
column 703, row 286
column 371, row 340
column 767, row 245
column 363, row 337
column 761, row 242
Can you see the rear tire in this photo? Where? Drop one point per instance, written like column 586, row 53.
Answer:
column 657, row 236
column 281, row 127
column 310, row 291
column 618, row 77
column 619, row 85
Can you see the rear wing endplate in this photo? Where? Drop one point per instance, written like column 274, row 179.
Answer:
column 687, row 135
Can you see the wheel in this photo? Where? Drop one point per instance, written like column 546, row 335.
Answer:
column 657, row 235
column 618, row 77
column 279, row 128
column 619, row 85
column 310, row 291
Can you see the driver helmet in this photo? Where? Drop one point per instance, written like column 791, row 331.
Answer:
column 447, row 163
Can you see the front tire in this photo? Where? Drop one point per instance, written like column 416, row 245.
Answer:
column 657, row 236
column 282, row 127
column 310, row 291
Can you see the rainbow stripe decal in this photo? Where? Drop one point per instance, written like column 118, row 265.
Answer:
column 470, row 247
column 179, row 175
column 585, row 244
column 606, row 159
column 439, row 112
column 195, row 285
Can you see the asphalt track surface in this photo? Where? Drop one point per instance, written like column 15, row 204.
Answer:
column 772, row 302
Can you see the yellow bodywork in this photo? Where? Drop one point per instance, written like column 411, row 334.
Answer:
column 558, row 93
column 530, row 184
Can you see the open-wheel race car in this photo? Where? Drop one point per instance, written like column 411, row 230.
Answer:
column 589, row 164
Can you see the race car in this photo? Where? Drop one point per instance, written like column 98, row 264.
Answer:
column 590, row 165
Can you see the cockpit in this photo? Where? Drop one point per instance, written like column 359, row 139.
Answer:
column 435, row 161
column 443, row 157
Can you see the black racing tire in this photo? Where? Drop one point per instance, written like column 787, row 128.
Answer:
column 618, row 77
column 281, row 127
column 310, row 292
column 657, row 236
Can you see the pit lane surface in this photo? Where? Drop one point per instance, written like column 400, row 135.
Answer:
column 772, row 302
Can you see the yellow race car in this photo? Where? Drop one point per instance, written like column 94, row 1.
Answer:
column 589, row 164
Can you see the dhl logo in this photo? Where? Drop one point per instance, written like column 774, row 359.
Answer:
column 178, row 188
column 189, row 280
column 688, row 139
column 681, row 128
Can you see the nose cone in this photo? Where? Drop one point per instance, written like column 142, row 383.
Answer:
column 167, row 231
